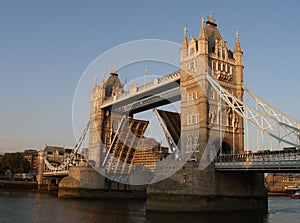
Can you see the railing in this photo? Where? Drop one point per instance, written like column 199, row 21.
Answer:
column 151, row 100
column 158, row 82
column 262, row 161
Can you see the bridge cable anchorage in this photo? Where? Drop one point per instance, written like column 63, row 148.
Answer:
column 269, row 120
column 69, row 158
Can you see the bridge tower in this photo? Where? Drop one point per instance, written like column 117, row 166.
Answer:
column 191, row 188
column 101, row 124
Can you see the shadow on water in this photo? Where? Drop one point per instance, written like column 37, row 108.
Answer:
column 24, row 207
column 205, row 217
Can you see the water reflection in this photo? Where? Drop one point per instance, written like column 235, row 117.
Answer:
column 39, row 207
column 205, row 218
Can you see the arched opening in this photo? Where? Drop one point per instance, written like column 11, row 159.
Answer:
column 53, row 182
column 225, row 149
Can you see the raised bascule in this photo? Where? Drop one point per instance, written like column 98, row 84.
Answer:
column 207, row 138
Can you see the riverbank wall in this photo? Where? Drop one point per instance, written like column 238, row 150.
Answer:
column 17, row 185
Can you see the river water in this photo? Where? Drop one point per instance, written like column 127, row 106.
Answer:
column 43, row 207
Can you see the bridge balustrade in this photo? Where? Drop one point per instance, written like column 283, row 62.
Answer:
column 265, row 161
column 143, row 88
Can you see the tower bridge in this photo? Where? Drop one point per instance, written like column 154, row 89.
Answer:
column 210, row 87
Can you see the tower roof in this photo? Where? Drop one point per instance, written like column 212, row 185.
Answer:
column 211, row 20
column 113, row 82
column 212, row 32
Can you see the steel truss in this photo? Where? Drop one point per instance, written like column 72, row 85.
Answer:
column 267, row 119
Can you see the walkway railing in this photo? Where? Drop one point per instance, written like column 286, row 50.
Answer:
column 261, row 161
column 156, row 83
column 151, row 100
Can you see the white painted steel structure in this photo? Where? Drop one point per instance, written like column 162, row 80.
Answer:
column 62, row 169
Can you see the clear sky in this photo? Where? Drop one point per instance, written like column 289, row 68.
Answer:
column 46, row 46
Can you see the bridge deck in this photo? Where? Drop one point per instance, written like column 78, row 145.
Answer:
column 264, row 161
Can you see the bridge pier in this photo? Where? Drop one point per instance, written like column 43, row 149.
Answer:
column 85, row 182
column 208, row 191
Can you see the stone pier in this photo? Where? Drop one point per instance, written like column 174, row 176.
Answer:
column 85, row 182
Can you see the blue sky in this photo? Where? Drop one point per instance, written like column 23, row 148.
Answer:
column 46, row 46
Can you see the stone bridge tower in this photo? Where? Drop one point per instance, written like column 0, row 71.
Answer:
column 209, row 54
column 192, row 188
column 102, row 121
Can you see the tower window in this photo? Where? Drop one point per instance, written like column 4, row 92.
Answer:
column 193, row 119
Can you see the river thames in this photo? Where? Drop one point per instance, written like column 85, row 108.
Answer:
column 43, row 207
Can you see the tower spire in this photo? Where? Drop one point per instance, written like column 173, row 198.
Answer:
column 184, row 43
column 211, row 20
column 237, row 46
column 202, row 34
column 237, row 52
column 102, row 80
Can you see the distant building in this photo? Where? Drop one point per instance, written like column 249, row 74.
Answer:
column 56, row 154
column 31, row 155
column 282, row 182
column 148, row 153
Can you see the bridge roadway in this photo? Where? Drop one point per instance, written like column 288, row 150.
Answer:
column 283, row 161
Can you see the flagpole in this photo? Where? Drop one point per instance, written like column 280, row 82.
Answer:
column 145, row 74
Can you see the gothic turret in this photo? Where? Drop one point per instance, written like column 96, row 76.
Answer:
column 202, row 40
column 239, row 68
column 184, row 45
column 238, row 53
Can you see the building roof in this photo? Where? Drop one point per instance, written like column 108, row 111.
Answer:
column 51, row 148
column 212, row 34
